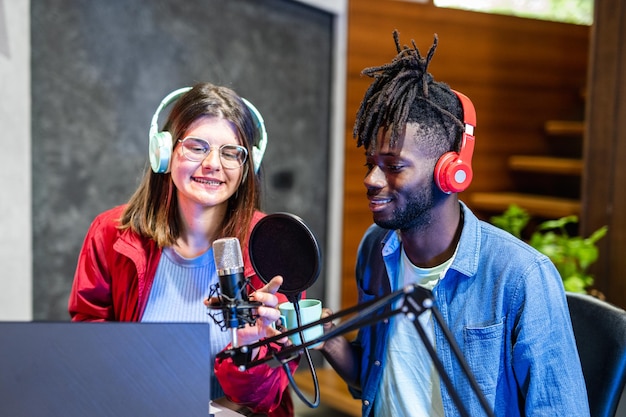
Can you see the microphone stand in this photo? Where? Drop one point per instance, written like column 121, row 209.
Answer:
column 415, row 300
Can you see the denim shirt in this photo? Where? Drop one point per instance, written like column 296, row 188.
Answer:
column 505, row 306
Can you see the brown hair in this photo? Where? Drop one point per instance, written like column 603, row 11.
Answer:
column 152, row 211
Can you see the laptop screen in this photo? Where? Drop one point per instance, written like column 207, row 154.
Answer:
column 104, row 369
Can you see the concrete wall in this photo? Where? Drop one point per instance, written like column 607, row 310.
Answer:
column 99, row 69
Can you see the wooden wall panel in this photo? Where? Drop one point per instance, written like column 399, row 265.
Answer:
column 519, row 73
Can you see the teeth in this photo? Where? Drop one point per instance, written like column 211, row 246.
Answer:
column 381, row 201
column 207, row 182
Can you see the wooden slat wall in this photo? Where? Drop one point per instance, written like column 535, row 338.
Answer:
column 519, row 73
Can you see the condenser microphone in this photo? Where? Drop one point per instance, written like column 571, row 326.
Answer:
column 236, row 309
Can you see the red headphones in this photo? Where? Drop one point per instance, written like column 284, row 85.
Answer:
column 453, row 172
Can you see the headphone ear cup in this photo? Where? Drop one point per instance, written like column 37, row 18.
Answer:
column 160, row 143
column 453, row 171
column 452, row 175
column 160, row 152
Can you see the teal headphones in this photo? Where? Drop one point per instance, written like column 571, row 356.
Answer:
column 160, row 148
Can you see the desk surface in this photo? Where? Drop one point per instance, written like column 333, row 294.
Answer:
column 224, row 408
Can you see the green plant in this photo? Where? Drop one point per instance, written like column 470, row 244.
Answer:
column 572, row 255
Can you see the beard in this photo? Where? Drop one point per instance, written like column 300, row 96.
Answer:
column 415, row 213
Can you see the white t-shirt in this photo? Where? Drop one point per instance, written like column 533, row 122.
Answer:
column 410, row 383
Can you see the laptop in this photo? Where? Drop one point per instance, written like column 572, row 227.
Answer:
column 110, row 369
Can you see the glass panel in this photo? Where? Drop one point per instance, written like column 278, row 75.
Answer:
column 568, row 11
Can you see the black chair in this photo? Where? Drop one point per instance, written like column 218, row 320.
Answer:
column 600, row 331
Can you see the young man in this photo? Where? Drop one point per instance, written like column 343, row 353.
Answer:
column 503, row 301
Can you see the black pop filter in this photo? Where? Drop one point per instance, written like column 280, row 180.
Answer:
column 282, row 244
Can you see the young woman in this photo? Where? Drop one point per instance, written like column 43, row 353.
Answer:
column 151, row 260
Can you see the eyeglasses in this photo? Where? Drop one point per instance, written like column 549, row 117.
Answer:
column 196, row 149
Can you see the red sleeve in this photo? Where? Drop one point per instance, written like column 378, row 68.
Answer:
column 90, row 297
column 262, row 388
column 108, row 285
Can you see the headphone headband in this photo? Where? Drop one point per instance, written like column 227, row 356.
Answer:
column 469, row 113
column 257, row 150
column 161, row 143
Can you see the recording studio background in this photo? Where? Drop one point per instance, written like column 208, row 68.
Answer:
column 100, row 69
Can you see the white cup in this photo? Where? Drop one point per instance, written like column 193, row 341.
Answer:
column 310, row 310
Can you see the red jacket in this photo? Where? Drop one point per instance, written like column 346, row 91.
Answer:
column 112, row 282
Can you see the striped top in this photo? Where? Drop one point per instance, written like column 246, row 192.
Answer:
column 180, row 287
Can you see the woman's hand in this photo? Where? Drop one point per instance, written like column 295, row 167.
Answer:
column 268, row 314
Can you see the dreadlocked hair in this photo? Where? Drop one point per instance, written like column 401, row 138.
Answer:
column 403, row 91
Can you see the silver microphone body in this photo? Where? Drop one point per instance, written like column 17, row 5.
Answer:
column 229, row 266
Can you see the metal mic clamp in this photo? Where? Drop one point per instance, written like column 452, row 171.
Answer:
column 231, row 313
